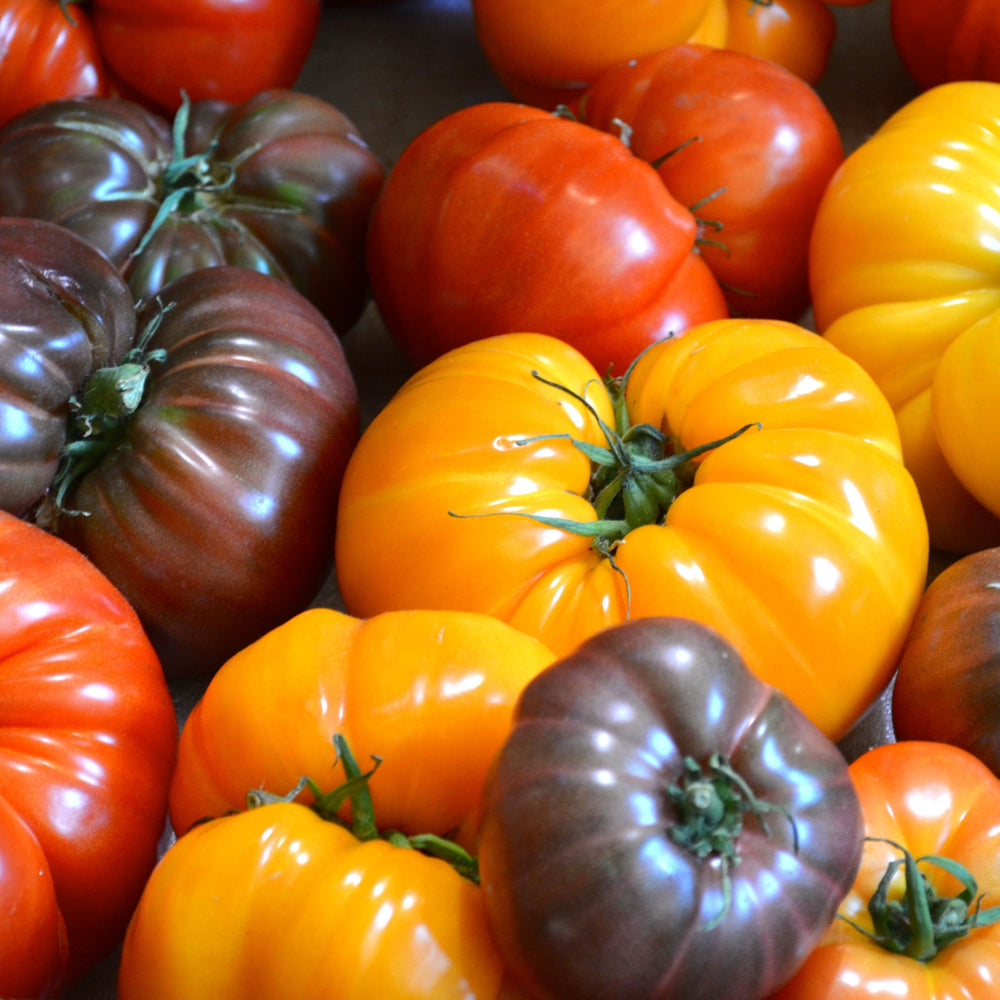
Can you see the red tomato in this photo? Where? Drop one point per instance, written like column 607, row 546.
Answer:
column 46, row 51
column 503, row 217
column 938, row 42
column 88, row 736
column 151, row 51
column 745, row 143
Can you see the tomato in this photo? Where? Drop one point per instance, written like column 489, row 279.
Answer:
column 64, row 312
column 46, row 52
column 282, row 184
column 280, row 903
column 87, row 741
column 744, row 142
column 916, row 302
column 220, row 49
column 935, row 802
column 945, row 687
column 203, row 473
column 796, row 34
column 802, row 542
column 659, row 821
column 502, row 217
column 546, row 54
column 430, row 692
column 941, row 42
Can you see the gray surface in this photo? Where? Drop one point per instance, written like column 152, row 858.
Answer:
column 397, row 68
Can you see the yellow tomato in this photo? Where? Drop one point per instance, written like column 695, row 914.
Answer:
column 800, row 538
column 903, row 270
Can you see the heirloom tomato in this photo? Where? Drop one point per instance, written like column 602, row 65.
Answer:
column 747, row 144
column 87, row 741
column 283, row 902
column 502, row 217
column 282, row 184
column 661, row 824
column 941, row 42
column 203, row 472
column 46, row 53
column 902, row 276
column 745, row 474
column 155, row 51
column 430, row 692
column 946, row 687
column 64, row 312
column 920, row 921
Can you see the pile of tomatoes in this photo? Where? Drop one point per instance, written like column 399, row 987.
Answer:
column 537, row 673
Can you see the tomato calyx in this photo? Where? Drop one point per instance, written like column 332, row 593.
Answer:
column 711, row 803
column 99, row 416
column 363, row 826
column 922, row 923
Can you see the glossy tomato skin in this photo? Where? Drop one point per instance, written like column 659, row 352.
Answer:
column 939, row 42
column 589, row 895
column 225, row 50
column 796, row 34
column 278, row 904
column 64, row 311
column 502, row 217
column 932, row 799
column 430, row 693
column 214, row 514
column 946, row 683
column 547, row 54
column 46, row 53
column 478, row 433
column 747, row 145
column 284, row 185
column 88, row 736
column 916, row 302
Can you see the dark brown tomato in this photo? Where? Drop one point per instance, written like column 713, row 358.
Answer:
column 947, row 685
column 64, row 311
column 282, row 184
column 212, row 506
column 610, row 868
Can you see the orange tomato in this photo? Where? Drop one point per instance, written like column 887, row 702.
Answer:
column 803, row 542
column 903, row 277
column 429, row 692
column 931, row 799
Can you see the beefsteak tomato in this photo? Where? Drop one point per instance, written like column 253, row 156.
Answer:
column 282, row 902
column 431, row 692
column 946, row 687
column 203, row 473
column 942, row 42
column 502, row 217
column 88, row 735
column 282, row 183
column 903, row 280
column 156, row 51
column 927, row 807
column 507, row 478
column 747, row 144
column 660, row 823
column 64, row 312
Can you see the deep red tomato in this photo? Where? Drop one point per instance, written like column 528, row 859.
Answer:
column 946, row 687
column 152, row 51
column 938, row 42
column 47, row 50
column 659, row 821
column 88, row 736
column 747, row 145
column 503, row 217
column 282, row 183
